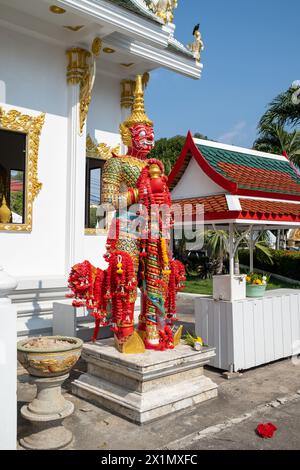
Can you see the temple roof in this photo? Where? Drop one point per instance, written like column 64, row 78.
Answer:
column 237, row 184
column 138, row 6
column 241, row 171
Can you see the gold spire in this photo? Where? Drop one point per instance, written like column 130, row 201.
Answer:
column 138, row 115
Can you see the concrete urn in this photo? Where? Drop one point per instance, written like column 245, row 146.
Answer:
column 50, row 362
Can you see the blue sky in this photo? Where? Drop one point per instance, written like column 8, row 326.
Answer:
column 252, row 50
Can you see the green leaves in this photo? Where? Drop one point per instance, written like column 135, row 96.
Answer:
column 168, row 150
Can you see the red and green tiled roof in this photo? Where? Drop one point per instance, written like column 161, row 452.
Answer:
column 253, row 172
column 239, row 171
column 270, row 207
column 211, row 204
column 216, row 208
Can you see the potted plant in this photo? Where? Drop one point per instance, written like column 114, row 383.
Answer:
column 256, row 285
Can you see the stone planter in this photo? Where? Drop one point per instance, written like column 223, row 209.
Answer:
column 48, row 369
column 50, row 362
column 255, row 291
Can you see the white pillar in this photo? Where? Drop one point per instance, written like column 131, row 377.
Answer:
column 76, row 168
column 251, row 257
column 8, row 364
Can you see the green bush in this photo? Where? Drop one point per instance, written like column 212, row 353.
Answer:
column 286, row 263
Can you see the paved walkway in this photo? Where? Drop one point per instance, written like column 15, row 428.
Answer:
column 227, row 422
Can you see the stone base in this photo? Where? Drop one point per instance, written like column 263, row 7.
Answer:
column 47, row 436
column 145, row 387
column 45, row 413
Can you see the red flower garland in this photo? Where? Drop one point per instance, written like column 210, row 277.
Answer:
column 266, row 431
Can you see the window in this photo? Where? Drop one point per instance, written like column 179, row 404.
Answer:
column 12, row 177
column 19, row 184
column 96, row 156
column 94, row 168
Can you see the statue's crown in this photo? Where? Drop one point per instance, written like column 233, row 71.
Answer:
column 138, row 115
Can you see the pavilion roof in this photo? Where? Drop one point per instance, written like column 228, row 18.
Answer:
column 240, row 171
column 249, row 186
column 219, row 207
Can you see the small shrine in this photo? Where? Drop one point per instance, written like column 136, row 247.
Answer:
column 243, row 192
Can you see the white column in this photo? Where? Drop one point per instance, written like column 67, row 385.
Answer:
column 76, row 168
column 8, row 364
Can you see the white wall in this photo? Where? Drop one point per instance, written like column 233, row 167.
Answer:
column 103, row 123
column 104, row 115
column 33, row 81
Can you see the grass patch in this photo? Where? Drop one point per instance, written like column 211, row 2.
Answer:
column 204, row 286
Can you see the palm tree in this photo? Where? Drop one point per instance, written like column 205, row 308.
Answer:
column 284, row 109
column 217, row 242
column 218, row 246
column 273, row 138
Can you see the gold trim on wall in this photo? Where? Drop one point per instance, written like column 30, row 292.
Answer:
column 15, row 121
column 100, row 151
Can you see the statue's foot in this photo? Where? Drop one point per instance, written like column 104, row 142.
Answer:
column 132, row 344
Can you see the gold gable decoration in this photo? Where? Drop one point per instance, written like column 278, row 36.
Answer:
column 14, row 120
column 101, row 151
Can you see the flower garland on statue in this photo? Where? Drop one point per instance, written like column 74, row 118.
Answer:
column 172, row 272
column 95, row 289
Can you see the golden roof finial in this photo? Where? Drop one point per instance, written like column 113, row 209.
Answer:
column 138, row 115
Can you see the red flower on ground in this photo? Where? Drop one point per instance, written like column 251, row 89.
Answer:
column 266, row 431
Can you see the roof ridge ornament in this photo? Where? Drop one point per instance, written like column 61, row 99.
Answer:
column 163, row 9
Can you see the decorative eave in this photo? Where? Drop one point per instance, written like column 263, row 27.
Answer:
column 167, row 58
column 221, row 208
column 190, row 150
column 126, row 21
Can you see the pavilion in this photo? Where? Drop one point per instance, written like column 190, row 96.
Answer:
column 238, row 187
column 244, row 191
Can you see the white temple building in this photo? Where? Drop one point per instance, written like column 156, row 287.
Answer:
column 66, row 83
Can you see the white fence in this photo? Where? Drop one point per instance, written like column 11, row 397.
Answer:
column 250, row 332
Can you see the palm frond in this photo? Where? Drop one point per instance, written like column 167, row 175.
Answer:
column 282, row 110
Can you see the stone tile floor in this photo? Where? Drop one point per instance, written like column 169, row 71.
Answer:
column 95, row 428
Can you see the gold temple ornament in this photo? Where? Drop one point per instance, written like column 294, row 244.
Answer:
column 198, row 45
column 5, row 212
column 81, row 70
column 127, row 93
column 57, row 10
column 138, row 114
column 100, row 151
column 15, row 121
column 164, row 9
column 74, row 29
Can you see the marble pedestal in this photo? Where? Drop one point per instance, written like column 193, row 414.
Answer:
column 144, row 387
column 45, row 414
